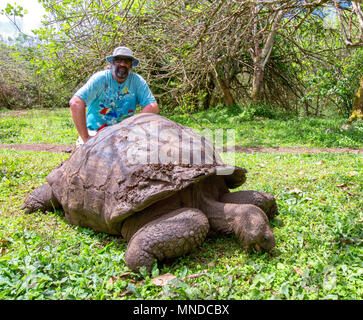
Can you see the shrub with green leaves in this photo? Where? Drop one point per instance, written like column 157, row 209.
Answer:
column 28, row 78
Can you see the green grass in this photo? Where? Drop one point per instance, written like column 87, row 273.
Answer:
column 253, row 129
column 318, row 233
column 38, row 126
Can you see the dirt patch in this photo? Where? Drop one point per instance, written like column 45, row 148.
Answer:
column 296, row 150
column 68, row 149
column 13, row 114
column 40, row 147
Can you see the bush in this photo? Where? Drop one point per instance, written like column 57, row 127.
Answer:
column 27, row 79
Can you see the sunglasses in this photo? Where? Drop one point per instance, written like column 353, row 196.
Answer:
column 121, row 59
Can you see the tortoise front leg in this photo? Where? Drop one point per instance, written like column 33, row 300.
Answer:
column 247, row 221
column 169, row 236
column 42, row 198
column 261, row 199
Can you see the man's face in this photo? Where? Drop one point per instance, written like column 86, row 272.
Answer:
column 121, row 67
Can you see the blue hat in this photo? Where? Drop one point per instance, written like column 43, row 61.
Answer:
column 125, row 52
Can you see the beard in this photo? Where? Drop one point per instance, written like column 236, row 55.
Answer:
column 120, row 72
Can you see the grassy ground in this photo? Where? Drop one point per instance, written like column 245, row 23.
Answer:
column 251, row 129
column 318, row 233
column 264, row 129
column 38, row 126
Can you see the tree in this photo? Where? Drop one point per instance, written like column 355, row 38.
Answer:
column 357, row 109
column 352, row 40
column 196, row 54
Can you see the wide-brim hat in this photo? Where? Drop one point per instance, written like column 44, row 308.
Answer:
column 125, row 52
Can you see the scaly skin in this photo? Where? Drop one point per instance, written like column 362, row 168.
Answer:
column 42, row 199
column 169, row 236
column 247, row 221
column 265, row 201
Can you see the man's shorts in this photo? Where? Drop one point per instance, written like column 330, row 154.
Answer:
column 92, row 133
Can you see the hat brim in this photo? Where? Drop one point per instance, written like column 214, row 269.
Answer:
column 135, row 62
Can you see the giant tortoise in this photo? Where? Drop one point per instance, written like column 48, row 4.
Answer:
column 159, row 185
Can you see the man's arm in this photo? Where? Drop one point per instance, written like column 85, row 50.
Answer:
column 78, row 112
column 151, row 108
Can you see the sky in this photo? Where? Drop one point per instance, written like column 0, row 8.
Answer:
column 29, row 22
column 35, row 12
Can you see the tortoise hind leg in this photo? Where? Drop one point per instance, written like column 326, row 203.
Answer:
column 261, row 199
column 169, row 236
column 42, row 198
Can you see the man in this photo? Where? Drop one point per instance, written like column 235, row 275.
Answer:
column 111, row 96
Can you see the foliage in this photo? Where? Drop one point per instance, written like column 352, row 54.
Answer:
column 187, row 59
column 331, row 81
column 27, row 78
column 281, row 53
column 18, row 11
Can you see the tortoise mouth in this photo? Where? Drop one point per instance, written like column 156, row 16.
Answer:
column 262, row 241
column 266, row 244
column 273, row 211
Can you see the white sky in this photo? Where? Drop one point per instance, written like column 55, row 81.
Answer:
column 29, row 22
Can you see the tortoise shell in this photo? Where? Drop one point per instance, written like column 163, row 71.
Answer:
column 129, row 166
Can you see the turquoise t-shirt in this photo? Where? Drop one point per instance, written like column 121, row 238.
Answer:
column 110, row 102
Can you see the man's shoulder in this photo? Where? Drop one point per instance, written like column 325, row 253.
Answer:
column 101, row 75
column 136, row 78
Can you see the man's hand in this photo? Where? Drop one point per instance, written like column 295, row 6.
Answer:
column 78, row 112
column 151, row 108
column 87, row 138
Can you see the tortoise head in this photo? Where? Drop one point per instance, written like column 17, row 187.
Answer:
column 253, row 229
column 261, row 240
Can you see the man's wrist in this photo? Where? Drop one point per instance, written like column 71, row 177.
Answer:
column 85, row 137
